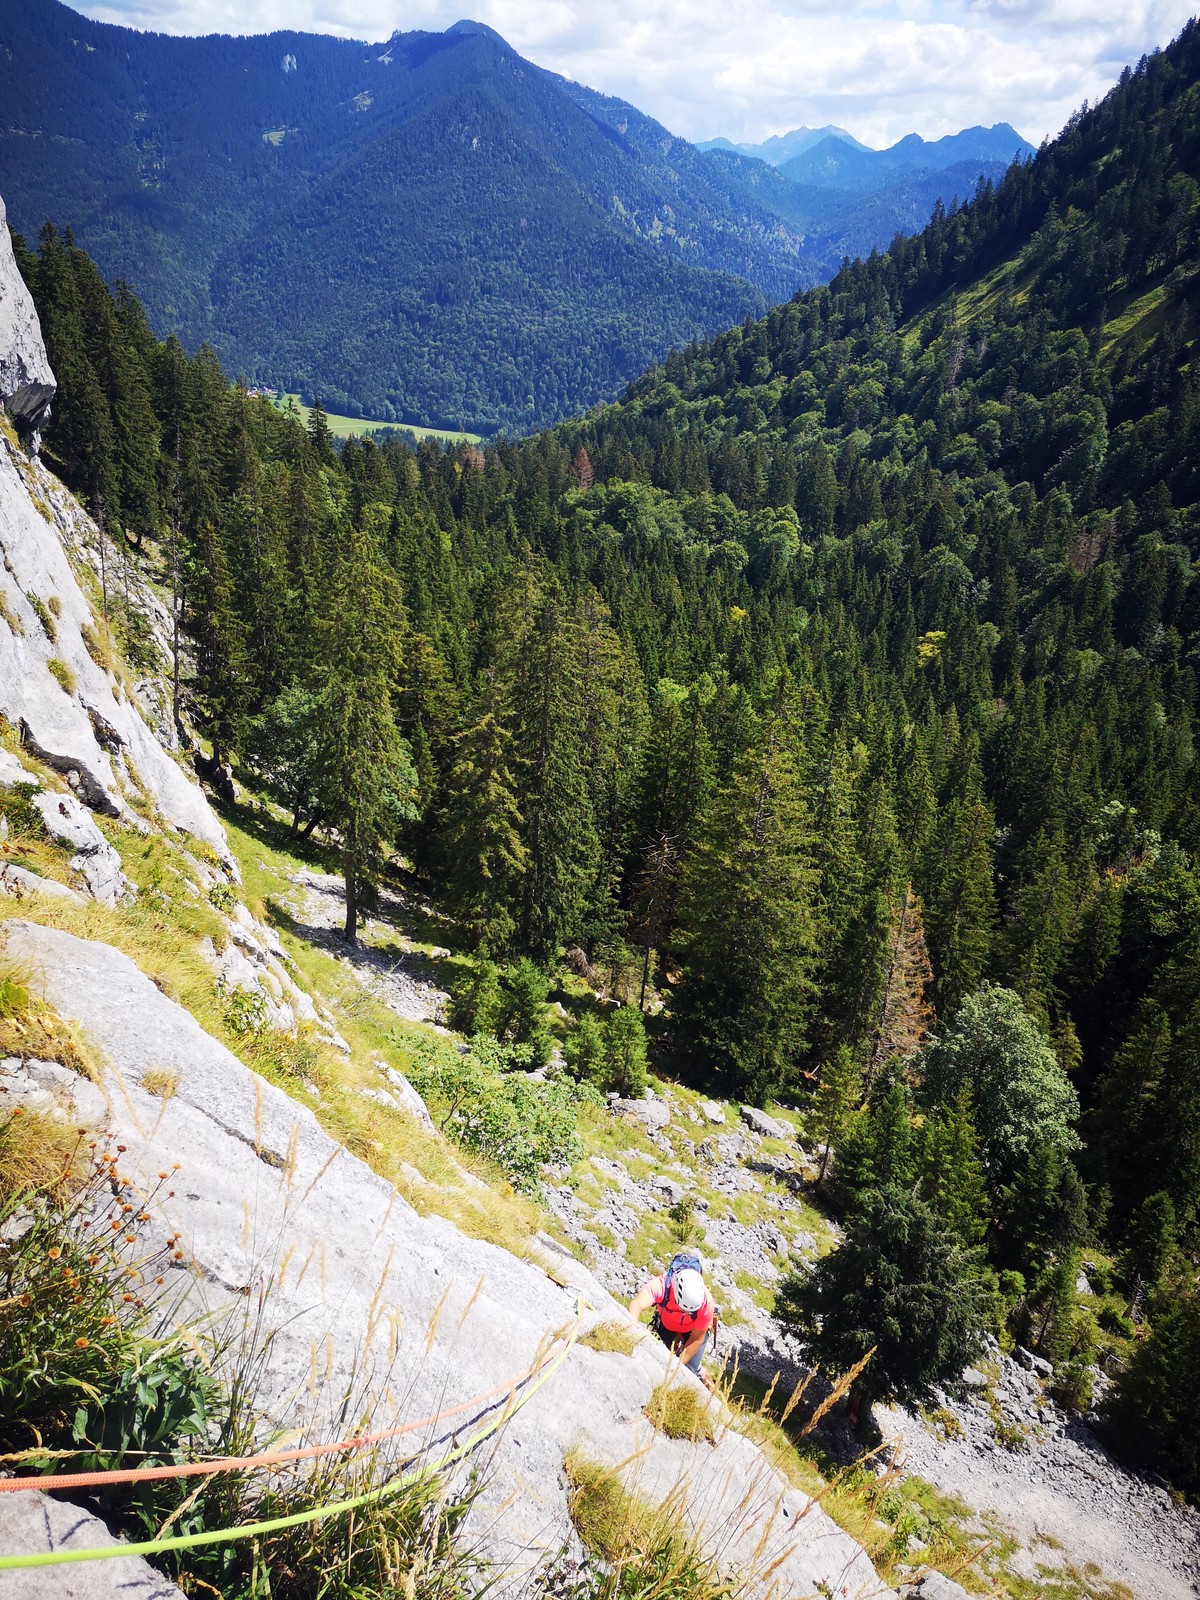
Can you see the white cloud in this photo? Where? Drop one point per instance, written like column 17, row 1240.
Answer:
column 882, row 68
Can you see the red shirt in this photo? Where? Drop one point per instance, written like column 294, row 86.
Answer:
column 676, row 1321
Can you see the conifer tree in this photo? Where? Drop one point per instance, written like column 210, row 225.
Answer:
column 747, row 904
column 960, row 904
column 952, row 1179
column 480, row 836
column 878, row 1145
column 902, row 1288
column 836, row 1099
column 625, row 1052
column 367, row 777
column 522, row 1017
column 585, row 1049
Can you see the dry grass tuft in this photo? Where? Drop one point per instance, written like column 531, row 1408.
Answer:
column 612, row 1338
column 31, row 1031
column 161, row 1081
column 97, row 641
column 682, row 1411
column 647, row 1552
column 36, row 1154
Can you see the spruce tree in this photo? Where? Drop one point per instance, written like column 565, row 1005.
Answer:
column 747, row 903
column 480, row 835
column 952, row 1178
column 902, row 1289
column 625, row 1053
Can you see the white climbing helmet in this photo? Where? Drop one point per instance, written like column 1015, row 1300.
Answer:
column 688, row 1287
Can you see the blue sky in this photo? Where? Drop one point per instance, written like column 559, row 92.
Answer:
column 749, row 68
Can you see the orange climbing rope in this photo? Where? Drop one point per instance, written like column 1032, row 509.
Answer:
column 276, row 1458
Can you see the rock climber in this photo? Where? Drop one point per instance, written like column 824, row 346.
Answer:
column 685, row 1314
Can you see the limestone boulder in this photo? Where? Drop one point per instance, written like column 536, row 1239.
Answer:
column 27, row 384
column 95, row 860
column 652, row 1111
column 404, row 1308
column 35, row 1523
column 407, row 1097
column 936, row 1586
column 759, row 1122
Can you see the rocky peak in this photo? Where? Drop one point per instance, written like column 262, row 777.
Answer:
column 27, row 383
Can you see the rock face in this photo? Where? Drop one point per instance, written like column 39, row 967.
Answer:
column 75, row 716
column 936, row 1586
column 34, row 1522
column 265, row 1200
column 27, row 385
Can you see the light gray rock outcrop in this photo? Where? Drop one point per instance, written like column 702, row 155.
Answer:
column 95, row 860
column 27, row 384
column 762, row 1124
column 13, row 774
column 77, row 719
column 18, row 882
column 652, row 1111
column 407, row 1097
column 360, row 1285
column 35, row 1522
column 936, row 1586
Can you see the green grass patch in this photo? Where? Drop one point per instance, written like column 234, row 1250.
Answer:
column 63, row 675
column 354, row 427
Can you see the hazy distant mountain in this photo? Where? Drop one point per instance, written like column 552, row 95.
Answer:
column 430, row 229
column 840, row 163
column 781, row 147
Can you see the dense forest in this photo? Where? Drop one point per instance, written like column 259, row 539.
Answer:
column 838, row 687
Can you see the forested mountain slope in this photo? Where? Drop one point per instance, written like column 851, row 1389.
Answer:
column 838, row 684
column 426, row 230
column 468, row 192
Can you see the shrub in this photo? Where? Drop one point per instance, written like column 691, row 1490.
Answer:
column 62, row 674
column 245, row 1009
column 79, row 1367
column 223, row 897
column 1113, row 1320
column 518, row 1123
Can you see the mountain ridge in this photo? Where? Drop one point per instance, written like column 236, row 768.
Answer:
column 212, row 172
